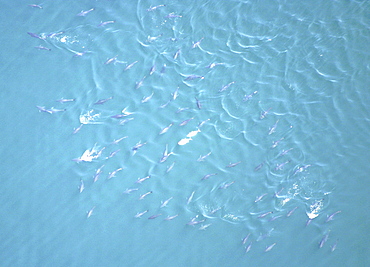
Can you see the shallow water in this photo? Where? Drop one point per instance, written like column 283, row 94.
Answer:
column 276, row 94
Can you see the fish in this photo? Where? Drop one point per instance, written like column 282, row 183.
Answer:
column 331, row 217
column 170, row 167
column 199, row 105
column 323, row 240
column 36, row 6
column 281, row 165
column 154, row 8
column 193, row 77
column 259, row 198
column 165, row 155
column 164, row 203
column 224, row 186
column 204, row 226
column 291, row 212
column 136, row 147
column 196, row 44
column 264, row 113
column 270, row 247
column 202, row 158
column 334, row 246
column 140, row 180
column 284, row 152
column 176, row 55
column 194, row 222
column 139, row 214
column 35, row 35
column 273, row 218
column 171, row 217
column 118, row 116
column 97, row 173
column 82, row 186
column 84, row 13
column 64, row 100
column 90, row 212
column 113, row 153
column 173, row 15
column 116, row 141
column 176, row 93
column 205, row 177
column 248, row 248
column 40, row 47
column 233, row 164
column 181, row 110
column 273, row 128
column 165, row 104
column 212, row 65
column 190, row 198
column 43, row 109
column 152, row 69
column 76, row 130
column 130, row 190
column 102, row 101
column 202, row 123
column 110, row 60
column 245, row 239
column 113, row 173
column 275, row 143
column 147, row 98
column 258, row 167
column 144, row 195
column 130, row 65
column 154, row 216
column 186, row 122
column 225, row 87
column 165, row 129
column 55, row 110
column 264, row 214
column 163, row 70
column 184, row 141
column 51, row 110
column 101, row 24
column 140, row 83
column 122, row 122
column 247, row 97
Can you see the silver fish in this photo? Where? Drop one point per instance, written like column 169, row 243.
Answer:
column 204, row 226
column 140, row 180
column 82, row 186
column 130, row 190
column 165, row 155
column 270, row 247
column 110, row 60
column 90, row 212
column 113, row 173
column 147, row 98
column 116, row 141
column 331, row 217
column 191, row 197
column 154, row 216
column 247, row 97
column 202, row 158
column 291, row 212
column 164, row 203
column 170, row 167
column 84, row 13
column 102, row 101
column 225, row 186
column 233, row 164
column 245, row 239
column 97, row 173
column 259, row 198
column 264, row 214
column 264, row 113
column 186, row 122
column 280, row 166
column 76, row 130
column 36, row 6
column 155, row 7
column 205, row 177
column 130, row 65
column 64, row 100
column 101, row 24
column 152, row 69
column 139, row 214
column 199, row 105
column 258, row 167
column 144, row 195
column 225, row 87
column 171, row 217
column 273, row 128
column 40, row 47
column 165, row 129
column 275, row 143
column 176, row 55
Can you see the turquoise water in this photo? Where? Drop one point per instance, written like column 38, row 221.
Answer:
column 283, row 91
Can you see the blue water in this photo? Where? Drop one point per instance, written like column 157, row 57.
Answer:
column 280, row 88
